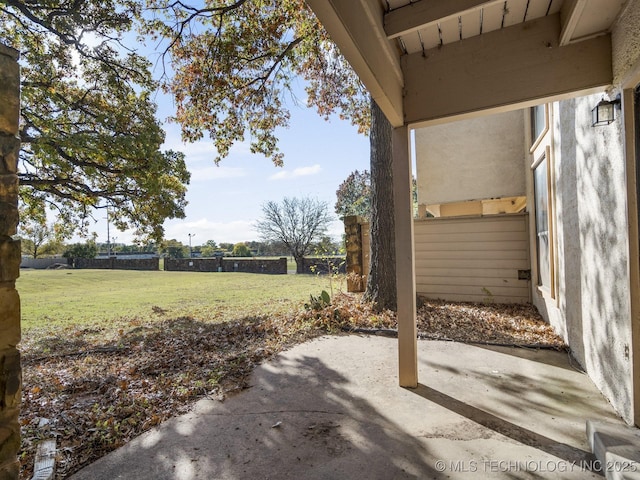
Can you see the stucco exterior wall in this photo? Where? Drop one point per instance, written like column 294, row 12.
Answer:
column 485, row 155
column 592, row 307
column 625, row 42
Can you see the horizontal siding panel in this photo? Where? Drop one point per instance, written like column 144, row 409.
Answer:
column 462, row 255
column 472, row 281
column 510, row 223
column 424, row 237
column 472, row 246
column 473, row 259
column 515, row 292
column 444, row 227
column 464, row 264
column 456, row 297
column 488, row 272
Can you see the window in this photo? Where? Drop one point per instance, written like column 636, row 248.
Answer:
column 543, row 191
column 541, row 200
column 538, row 122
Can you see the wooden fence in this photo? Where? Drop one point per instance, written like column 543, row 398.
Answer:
column 474, row 259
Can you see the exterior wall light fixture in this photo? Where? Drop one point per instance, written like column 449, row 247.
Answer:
column 605, row 112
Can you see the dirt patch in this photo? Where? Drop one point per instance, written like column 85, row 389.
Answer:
column 327, row 436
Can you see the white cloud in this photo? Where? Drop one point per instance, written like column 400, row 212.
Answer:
column 297, row 172
column 200, row 151
column 336, row 229
column 201, row 174
column 204, row 229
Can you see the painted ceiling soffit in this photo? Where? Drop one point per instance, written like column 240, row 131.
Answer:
column 503, row 69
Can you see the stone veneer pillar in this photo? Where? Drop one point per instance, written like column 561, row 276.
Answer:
column 353, row 246
column 10, row 372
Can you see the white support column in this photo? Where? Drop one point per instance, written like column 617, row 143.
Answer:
column 405, row 265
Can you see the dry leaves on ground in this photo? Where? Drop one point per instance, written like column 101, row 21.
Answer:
column 102, row 388
column 515, row 324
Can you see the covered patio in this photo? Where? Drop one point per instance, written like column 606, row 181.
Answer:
column 331, row 408
column 431, row 62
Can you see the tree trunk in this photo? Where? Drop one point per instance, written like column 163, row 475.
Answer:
column 299, row 264
column 381, row 284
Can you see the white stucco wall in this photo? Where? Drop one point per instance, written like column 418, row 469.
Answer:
column 592, row 310
column 593, row 306
column 471, row 159
column 625, row 41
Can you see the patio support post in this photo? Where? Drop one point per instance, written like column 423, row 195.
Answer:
column 10, row 372
column 405, row 265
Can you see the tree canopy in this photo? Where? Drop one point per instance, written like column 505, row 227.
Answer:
column 297, row 223
column 209, row 248
column 37, row 239
column 236, row 65
column 173, row 249
column 81, row 250
column 241, row 250
column 232, row 67
column 354, row 195
column 89, row 134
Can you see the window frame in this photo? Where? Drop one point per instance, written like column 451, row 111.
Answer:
column 543, row 281
column 538, row 140
column 541, row 150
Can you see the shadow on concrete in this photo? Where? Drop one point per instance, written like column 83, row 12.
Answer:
column 332, row 408
column 551, row 357
column 535, row 390
column 519, row 434
column 297, row 420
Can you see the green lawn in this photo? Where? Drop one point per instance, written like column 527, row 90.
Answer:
column 81, row 298
column 168, row 337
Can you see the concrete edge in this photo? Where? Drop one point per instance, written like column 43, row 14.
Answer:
column 617, row 448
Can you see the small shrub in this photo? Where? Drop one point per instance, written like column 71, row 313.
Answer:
column 318, row 303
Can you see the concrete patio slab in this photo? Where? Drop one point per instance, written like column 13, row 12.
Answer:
column 331, row 408
column 617, row 447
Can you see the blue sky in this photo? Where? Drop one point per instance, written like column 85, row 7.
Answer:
column 225, row 201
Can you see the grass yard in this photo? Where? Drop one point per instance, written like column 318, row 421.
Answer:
column 108, row 354
column 82, row 298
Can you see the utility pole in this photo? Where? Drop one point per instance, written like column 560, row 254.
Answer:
column 108, row 237
column 191, row 251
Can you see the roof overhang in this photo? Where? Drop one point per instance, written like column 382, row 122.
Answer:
column 428, row 61
column 356, row 28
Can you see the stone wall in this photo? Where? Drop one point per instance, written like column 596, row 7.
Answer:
column 324, row 266
column 115, row 263
column 219, row 264
column 42, row 263
column 193, row 264
column 10, row 371
column 255, row 265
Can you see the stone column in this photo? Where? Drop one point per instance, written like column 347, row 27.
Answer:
column 353, row 245
column 10, row 372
